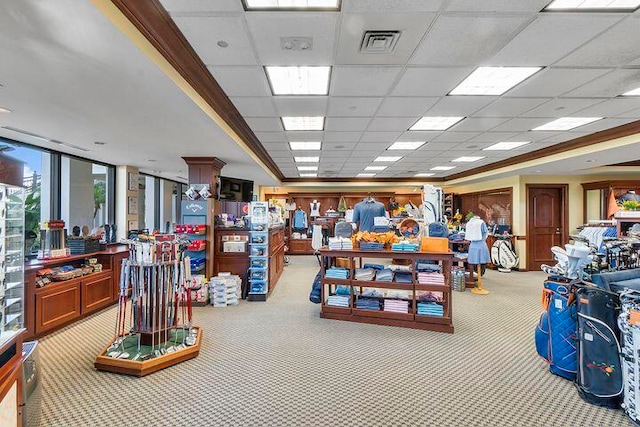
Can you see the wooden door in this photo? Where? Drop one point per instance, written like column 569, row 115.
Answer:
column 546, row 223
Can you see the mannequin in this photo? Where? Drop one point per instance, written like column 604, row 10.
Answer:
column 365, row 211
column 476, row 233
column 314, row 208
column 629, row 196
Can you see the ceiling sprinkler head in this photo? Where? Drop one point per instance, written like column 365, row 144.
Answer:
column 222, row 43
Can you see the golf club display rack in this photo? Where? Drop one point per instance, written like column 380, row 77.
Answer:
column 259, row 252
column 154, row 326
column 407, row 320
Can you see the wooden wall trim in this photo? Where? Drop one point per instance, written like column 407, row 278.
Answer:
column 155, row 23
column 600, row 185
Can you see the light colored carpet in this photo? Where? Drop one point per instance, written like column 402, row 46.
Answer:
column 278, row 364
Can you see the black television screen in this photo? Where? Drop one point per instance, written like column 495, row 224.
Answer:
column 235, row 189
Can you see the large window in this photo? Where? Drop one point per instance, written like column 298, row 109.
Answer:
column 158, row 203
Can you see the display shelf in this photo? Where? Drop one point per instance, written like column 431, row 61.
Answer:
column 259, row 248
column 384, row 285
column 432, row 288
column 332, row 281
column 336, row 309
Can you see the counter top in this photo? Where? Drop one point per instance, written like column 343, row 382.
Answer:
column 37, row 264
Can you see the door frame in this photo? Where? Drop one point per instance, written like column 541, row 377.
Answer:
column 564, row 218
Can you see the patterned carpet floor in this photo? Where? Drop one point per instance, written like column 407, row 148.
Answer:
column 278, row 364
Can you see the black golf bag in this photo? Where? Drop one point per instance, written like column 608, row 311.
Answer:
column 599, row 378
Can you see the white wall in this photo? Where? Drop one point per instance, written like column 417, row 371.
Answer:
column 76, row 188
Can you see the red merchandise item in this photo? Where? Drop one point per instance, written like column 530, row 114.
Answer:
column 197, row 245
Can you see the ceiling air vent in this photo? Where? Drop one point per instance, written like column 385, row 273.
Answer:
column 379, row 41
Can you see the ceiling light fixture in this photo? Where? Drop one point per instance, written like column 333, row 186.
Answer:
column 365, row 175
column 442, row 168
column 305, row 145
column 25, row 132
column 4, row 110
column 468, row 159
column 424, row 174
column 406, row 145
column 493, row 80
column 567, row 123
column 387, row 158
column 506, row 145
column 307, row 168
column 375, row 168
column 307, row 159
column 635, row 92
column 303, row 123
column 298, row 80
column 591, row 5
column 292, row 4
column 309, row 175
column 435, row 123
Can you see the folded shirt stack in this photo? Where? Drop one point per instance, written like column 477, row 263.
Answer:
column 337, row 273
column 338, row 243
column 365, row 273
column 428, row 267
column 430, row 297
column 385, row 275
column 381, row 228
column 403, row 277
column 368, row 304
column 397, row 306
column 374, row 266
column 371, row 246
column 370, row 292
column 405, row 247
column 430, row 278
column 395, row 267
column 430, row 309
column 338, row 301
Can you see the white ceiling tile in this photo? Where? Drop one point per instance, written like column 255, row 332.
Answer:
column 633, row 114
column 339, row 146
column 241, row 81
column 555, row 81
column 521, row 124
column 610, row 85
column 363, row 81
column 203, row 34
column 535, row 136
column 562, row 137
column 405, row 106
column 509, row 107
column 562, row 107
column 254, row 106
column 384, row 6
column 200, row 6
column 616, row 46
column 388, row 137
column 603, row 125
column 466, row 40
column 373, row 148
column 450, row 136
column 442, row 146
column 272, row 147
column 479, row 124
column 264, row 124
column 337, row 155
column 552, row 36
column 271, row 136
column 380, row 124
column 353, row 107
column 301, row 105
column 346, row 124
column 493, row 137
column 412, row 25
column 459, row 106
column 302, row 136
column 267, row 28
column 342, row 136
column 413, row 135
column 497, row 5
column 612, row 107
column 430, row 81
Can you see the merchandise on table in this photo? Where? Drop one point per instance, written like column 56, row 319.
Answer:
column 340, row 243
column 430, row 278
column 405, row 247
column 430, row 309
column 365, row 274
column 368, row 304
column 225, row 290
column 337, row 273
column 385, row 275
column 371, row 246
column 338, row 301
column 396, row 306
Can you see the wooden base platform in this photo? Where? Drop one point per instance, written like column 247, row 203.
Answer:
column 430, row 326
column 140, row 369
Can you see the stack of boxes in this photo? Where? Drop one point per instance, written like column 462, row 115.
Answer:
column 225, row 290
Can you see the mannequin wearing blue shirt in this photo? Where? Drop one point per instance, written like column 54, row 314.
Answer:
column 365, row 211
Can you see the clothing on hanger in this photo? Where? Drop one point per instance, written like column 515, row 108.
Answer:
column 300, row 219
column 314, row 209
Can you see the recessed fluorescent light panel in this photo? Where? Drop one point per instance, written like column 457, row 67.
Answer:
column 507, row 145
column 442, row 168
column 424, row 174
column 292, row 4
column 303, row 123
column 305, row 145
column 307, row 159
column 435, row 123
column 405, row 145
column 365, row 175
column 635, row 92
column 567, row 123
column 387, row 158
column 468, row 159
column 299, row 80
column 493, row 80
column 307, row 168
column 593, row 4
column 375, row 168
column 4, row 110
column 308, row 175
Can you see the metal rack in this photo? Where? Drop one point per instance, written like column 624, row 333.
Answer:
column 259, row 252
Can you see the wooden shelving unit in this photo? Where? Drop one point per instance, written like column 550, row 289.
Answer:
column 406, row 320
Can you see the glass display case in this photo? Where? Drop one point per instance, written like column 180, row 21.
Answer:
column 11, row 261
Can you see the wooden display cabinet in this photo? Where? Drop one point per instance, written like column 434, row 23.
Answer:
column 233, row 262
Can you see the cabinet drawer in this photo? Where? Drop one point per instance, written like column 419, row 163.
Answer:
column 57, row 305
column 97, row 292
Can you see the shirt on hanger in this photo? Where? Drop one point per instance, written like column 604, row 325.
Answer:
column 299, row 219
column 365, row 212
column 315, row 209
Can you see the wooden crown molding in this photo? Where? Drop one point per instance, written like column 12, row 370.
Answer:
column 213, row 161
column 155, row 23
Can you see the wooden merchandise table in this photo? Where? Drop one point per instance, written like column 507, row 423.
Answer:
column 60, row 303
column 406, row 320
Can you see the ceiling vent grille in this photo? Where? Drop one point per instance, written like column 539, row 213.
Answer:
column 379, row 41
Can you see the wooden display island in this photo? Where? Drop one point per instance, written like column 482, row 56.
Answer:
column 59, row 304
column 407, row 320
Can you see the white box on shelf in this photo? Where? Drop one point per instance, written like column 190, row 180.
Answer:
column 234, row 247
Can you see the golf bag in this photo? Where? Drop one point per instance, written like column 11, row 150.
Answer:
column 629, row 323
column 555, row 334
column 599, row 378
column 503, row 255
column 315, row 296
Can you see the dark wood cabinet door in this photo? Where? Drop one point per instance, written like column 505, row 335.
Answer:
column 545, row 226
